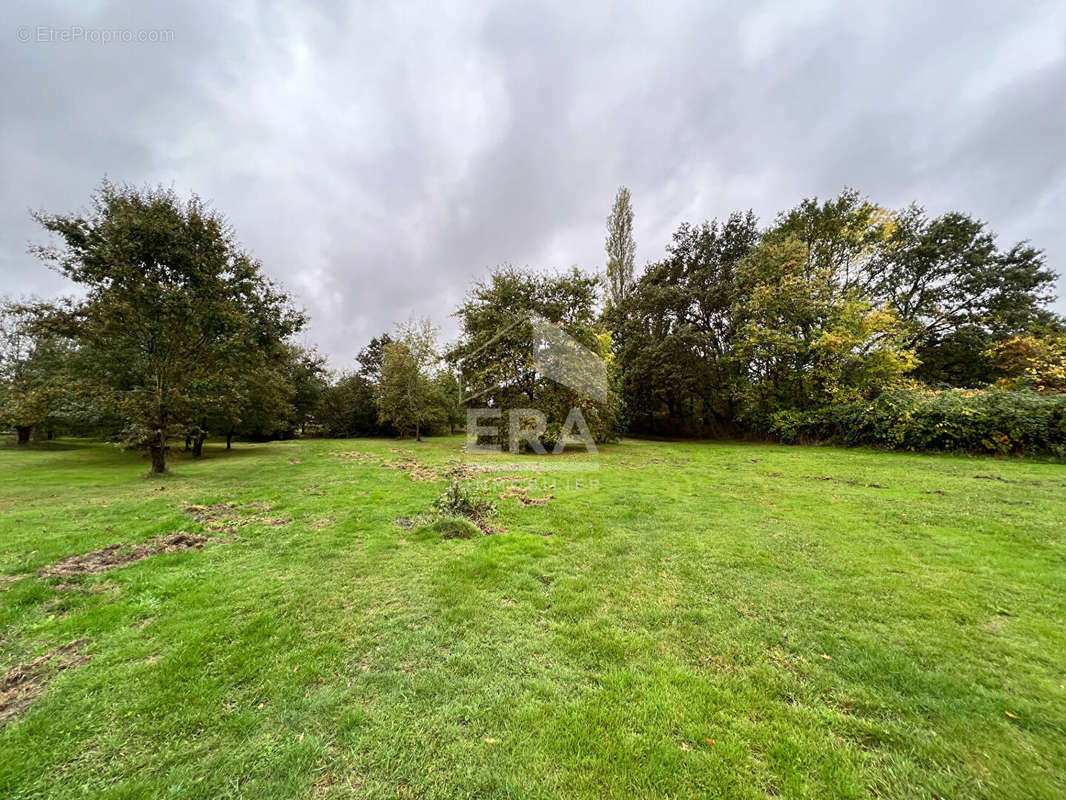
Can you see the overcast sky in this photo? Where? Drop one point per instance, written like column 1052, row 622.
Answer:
column 378, row 157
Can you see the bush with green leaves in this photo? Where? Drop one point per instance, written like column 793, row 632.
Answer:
column 979, row 421
column 461, row 500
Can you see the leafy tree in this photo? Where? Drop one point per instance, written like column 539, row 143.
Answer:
column 840, row 239
column 447, row 400
column 1032, row 362
column 35, row 367
column 806, row 336
column 348, row 407
column 170, row 299
column 499, row 348
column 621, row 249
column 371, row 357
column 958, row 293
column 305, row 370
column 675, row 331
column 405, row 392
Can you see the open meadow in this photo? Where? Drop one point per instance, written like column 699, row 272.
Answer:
column 690, row 620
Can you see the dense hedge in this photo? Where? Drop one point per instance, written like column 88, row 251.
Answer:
column 979, row 421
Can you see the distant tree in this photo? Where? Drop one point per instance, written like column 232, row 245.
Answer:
column 957, row 293
column 447, row 400
column 676, row 330
column 36, row 375
column 371, row 357
column 621, row 249
column 305, row 370
column 498, row 349
column 170, row 300
column 405, row 392
column 348, row 407
column 802, row 340
column 1032, row 362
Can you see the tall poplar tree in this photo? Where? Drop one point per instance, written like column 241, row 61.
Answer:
column 621, row 249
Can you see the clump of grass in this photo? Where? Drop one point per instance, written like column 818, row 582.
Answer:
column 455, row 528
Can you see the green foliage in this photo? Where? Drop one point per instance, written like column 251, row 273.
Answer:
column 38, row 381
column 405, row 392
column 371, row 357
column 621, row 249
column 499, row 347
column 1034, row 362
column 832, row 304
column 446, row 401
column 978, row 421
column 462, row 500
column 802, row 339
column 675, row 335
column 348, row 407
column 177, row 311
column 957, row 291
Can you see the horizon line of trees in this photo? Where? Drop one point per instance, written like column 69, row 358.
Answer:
column 737, row 329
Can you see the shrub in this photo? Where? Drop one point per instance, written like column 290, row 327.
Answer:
column 977, row 421
column 459, row 500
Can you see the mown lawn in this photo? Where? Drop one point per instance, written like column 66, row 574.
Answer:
column 709, row 620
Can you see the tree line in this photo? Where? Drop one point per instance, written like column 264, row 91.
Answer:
column 740, row 326
column 739, row 329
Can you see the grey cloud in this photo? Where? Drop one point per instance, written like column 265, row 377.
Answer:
column 379, row 157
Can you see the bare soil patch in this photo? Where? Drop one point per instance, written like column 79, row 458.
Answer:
column 521, row 494
column 118, row 555
column 21, row 684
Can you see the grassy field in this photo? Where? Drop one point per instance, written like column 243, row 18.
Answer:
column 704, row 620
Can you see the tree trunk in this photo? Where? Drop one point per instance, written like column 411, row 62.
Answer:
column 51, row 435
column 188, row 443
column 229, row 439
column 159, row 459
column 418, row 432
column 199, row 439
column 23, row 432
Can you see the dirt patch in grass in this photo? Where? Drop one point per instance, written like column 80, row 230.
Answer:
column 844, row 481
column 227, row 517
column 319, row 524
column 218, row 517
column 118, row 555
column 7, row 580
column 652, row 462
column 521, row 494
column 414, row 470
column 359, row 456
column 830, row 479
column 1006, row 480
column 21, row 684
